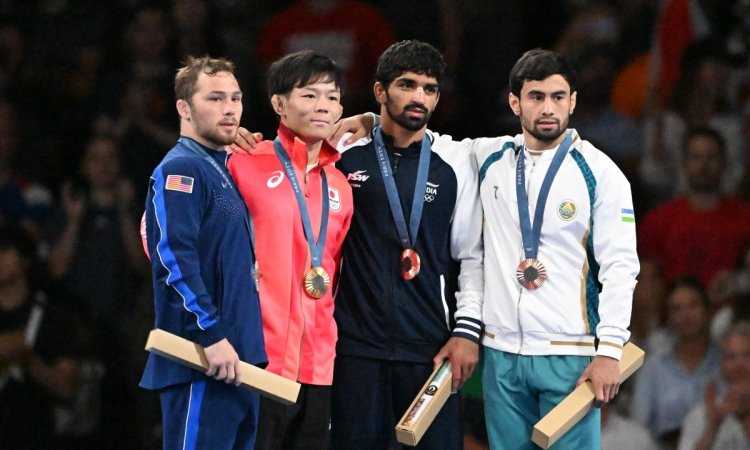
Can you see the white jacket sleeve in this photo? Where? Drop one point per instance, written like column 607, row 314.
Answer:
column 615, row 251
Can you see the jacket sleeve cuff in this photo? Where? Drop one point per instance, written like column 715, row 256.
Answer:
column 609, row 348
column 210, row 336
column 469, row 328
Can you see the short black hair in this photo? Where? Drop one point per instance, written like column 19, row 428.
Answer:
column 539, row 64
column 301, row 69
column 409, row 56
column 705, row 131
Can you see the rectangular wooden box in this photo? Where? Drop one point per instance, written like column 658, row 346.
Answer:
column 578, row 403
column 191, row 354
column 422, row 411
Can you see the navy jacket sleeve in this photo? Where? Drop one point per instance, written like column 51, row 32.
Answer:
column 180, row 197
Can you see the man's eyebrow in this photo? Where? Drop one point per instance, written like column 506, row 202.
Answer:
column 539, row 91
column 224, row 93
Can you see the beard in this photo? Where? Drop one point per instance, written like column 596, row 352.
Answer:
column 548, row 135
column 403, row 119
column 217, row 136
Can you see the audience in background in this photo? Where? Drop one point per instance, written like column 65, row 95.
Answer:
column 722, row 420
column 702, row 232
column 73, row 71
column 670, row 383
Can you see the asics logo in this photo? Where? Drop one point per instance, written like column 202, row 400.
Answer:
column 276, row 178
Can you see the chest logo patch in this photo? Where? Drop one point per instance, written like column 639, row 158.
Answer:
column 276, row 178
column 430, row 191
column 567, row 209
column 334, row 200
column 356, row 179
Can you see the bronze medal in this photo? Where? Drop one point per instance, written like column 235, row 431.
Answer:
column 531, row 273
column 410, row 264
column 316, row 282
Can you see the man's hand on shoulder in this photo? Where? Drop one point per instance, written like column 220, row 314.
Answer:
column 223, row 362
column 463, row 355
column 358, row 125
column 604, row 373
column 245, row 142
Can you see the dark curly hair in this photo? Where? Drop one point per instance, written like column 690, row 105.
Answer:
column 409, row 56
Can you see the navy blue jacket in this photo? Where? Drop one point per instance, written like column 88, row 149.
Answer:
column 199, row 239
column 379, row 314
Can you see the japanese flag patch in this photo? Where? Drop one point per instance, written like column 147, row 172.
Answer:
column 179, row 183
column 334, row 200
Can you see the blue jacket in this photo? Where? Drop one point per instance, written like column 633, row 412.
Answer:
column 379, row 314
column 202, row 260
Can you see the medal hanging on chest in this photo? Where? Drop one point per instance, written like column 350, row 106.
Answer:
column 316, row 281
column 409, row 262
column 531, row 273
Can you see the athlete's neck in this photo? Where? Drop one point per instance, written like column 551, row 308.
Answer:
column 402, row 137
column 185, row 131
column 313, row 152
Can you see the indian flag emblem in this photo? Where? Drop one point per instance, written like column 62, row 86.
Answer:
column 628, row 215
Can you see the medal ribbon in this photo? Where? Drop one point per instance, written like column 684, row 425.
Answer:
column 408, row 237
column 197, row 149
column 316, row 248
column 529, row 234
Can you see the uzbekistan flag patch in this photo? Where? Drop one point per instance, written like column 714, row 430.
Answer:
column 179, row 183
column 628, row 215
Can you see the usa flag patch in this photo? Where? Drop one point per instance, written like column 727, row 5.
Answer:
column 179, row 183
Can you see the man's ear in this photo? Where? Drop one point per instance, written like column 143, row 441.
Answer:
column 573, row 97
column 379, row 90
column 515, row 104
column 183, row 109
column 278, row 101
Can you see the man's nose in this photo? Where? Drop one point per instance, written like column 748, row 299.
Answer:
column 419, row 95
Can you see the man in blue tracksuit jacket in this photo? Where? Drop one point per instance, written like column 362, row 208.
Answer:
column 199, row 237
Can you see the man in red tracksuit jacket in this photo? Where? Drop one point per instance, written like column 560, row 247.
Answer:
column 301, row 207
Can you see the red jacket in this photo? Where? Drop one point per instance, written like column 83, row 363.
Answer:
column 300, row 332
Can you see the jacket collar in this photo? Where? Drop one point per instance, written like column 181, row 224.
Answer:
column 297, row 149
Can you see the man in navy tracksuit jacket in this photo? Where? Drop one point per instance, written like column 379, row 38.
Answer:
column 392, row 330
column 199, row 238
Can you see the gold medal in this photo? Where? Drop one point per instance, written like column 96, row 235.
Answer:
column 410, row 264
column 316, row 282
column 531, row 273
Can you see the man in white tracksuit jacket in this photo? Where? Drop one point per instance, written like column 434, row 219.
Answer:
column 569, row 322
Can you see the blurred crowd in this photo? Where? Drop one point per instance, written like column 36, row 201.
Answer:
column 87, row 111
